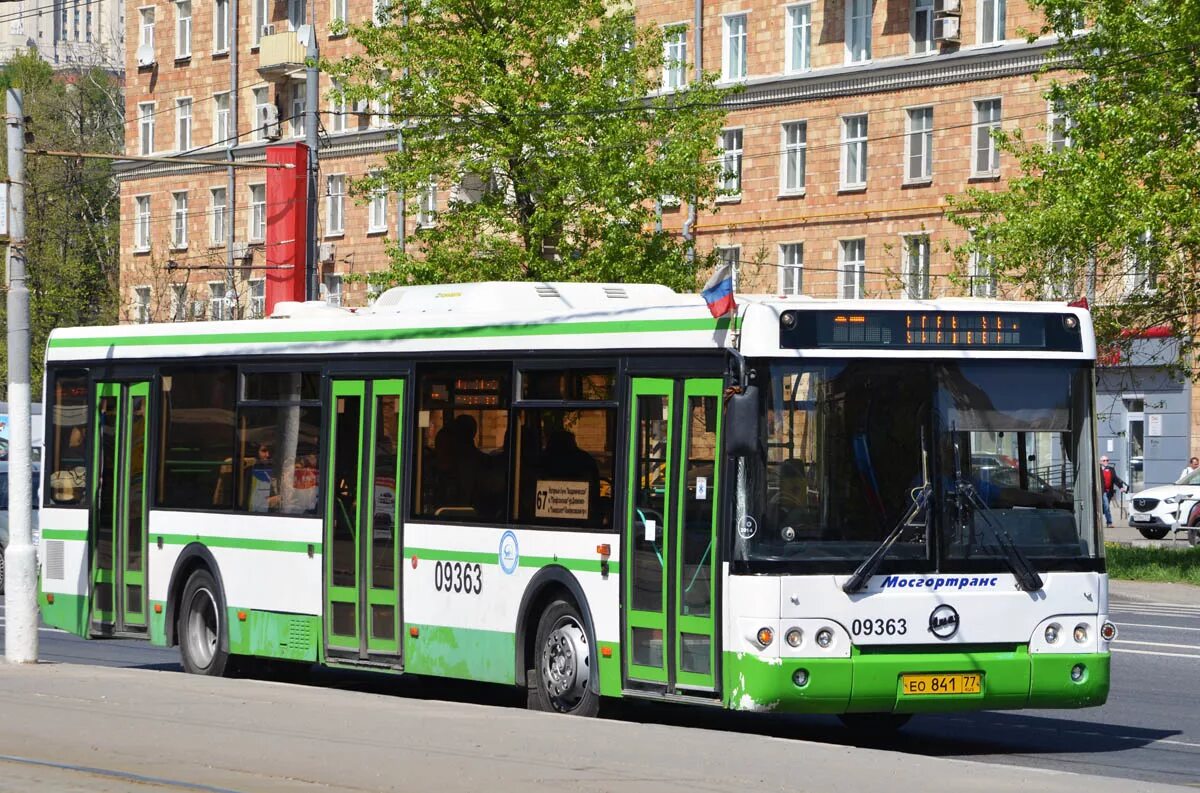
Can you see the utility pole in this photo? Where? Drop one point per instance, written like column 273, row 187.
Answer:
column 312, row 98
column 21, row 623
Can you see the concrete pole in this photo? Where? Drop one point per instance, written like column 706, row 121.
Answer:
column 21, row 624
column 312, row 97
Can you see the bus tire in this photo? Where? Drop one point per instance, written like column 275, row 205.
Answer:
column 560, row 680
column 875, row 723
column 201, row 627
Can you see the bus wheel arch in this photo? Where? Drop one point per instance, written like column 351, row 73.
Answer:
column 549, row 584
column 194, row 557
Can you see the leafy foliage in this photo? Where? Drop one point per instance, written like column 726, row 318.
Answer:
column 541, row 123
column 1116, row 211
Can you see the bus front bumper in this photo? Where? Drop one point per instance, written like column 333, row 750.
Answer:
column 871, row 681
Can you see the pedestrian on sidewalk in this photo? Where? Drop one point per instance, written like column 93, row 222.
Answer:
column 1110, row 483
column 1191, row 468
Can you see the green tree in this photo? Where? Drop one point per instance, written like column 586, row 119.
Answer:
column 71, row 205
column 541, row 123
column 1114, row 210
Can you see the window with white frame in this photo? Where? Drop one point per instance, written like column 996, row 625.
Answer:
column 333, row 288
column 732, row 256
column 220, row 26
column 427, row 208
column 141, row 223
column 183, row 29
column 262, row 97
column 791, row 268
column 141, row 304
column 222, row 129
column 378, row 11
column 991, row 21
column 145, row 27
column 1058, row 126
column 675, row 56
column 858, row 30
column 981, row 274
column 260, row 17
column 922, row 27
column 731, row 161
column 146, row 128
column 335, row 204
column 915, row 268
column 183, row 124
column 854, row 151
column 298, row 107
column 919, row 151
column 297, row 13
column 179, row 302
column 986, row 161
column 381, row 110
column 798, row 55
column 733, row 61
column 179, row 218
column 795, row 153
column 258, row 213
column 1140, row 276
column 258, row 298
column 337, row 109
column 218, row 303
column 852, row 268
column 377, row 210
column 218, row 215
column 338, row 11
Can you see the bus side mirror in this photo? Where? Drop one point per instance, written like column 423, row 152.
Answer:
column 742, row 419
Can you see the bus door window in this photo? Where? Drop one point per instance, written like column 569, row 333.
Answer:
column 66, row 439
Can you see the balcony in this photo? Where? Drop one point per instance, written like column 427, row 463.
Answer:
column 280, row 54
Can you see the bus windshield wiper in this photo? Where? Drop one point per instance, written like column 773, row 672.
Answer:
column 867, row 569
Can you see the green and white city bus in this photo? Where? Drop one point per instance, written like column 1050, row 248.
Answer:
column 854, row 507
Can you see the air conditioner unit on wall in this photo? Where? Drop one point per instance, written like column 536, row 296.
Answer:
column 268, row 122
column 145, row 55
column 945, row 29
column 947, row 7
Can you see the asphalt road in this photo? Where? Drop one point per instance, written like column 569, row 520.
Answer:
column 1149, row 730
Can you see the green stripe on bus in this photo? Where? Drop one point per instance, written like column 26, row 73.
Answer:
column 79, row 535
column 402, row 334
column 493, row 557
column 241, row 543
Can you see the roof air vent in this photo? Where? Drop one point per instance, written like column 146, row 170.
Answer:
column 546, row 290
column 616, row 293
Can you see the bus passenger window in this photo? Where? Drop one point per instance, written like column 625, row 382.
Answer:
column 278, row 442
column 66, row 437
column 197, row 460
column 565, row 466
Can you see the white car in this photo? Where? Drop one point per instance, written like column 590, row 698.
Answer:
column 1154, row 511
column 4, row 512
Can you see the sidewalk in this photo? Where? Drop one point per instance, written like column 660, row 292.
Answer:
column 123, row 729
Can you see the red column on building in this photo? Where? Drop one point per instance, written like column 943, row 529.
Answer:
column 287, row 229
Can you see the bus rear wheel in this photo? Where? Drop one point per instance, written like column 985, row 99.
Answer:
column 201, row 627
column 561, row 678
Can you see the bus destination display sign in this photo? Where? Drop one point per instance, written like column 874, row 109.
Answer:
column 929, row 330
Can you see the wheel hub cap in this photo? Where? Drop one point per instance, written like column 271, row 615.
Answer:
column 565, row 665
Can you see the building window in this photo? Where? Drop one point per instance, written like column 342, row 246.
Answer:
column 858, row 30
column 675, row 56
column 1058, row 127
column 915, row 270
column 183, row 124
column 799, row 38
column 332, row 287
column 218, row 304
column 220, row 26
column 258, row 298
column 179, row 217
column 922, row 27
column 338, row 11
column 337, row 109
column 791, row 268
column 377, row 11
column 981, row 274
column 795, row 151
column 146, row 128
column 218, row 216
column 991, row 21
column 732, row 256
column 1141, row 278
column 258, row 212
column 146, row 28
column 427, row 210
column 261, row 13
column 335, row 204
column 297, row 13
column 731, row 161
column 141, row 304
column 852, row 268
column 222, row 131
column 298, row 108
column 854, row 152
column 261, row 100
column 987, row 156
column 141, row 223
column 179, row 302
column 920, row 145
column 734, row 57
column 183, row 29
column 377, row 210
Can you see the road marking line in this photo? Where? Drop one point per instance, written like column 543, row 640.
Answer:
column 1155, row 603
column 1159, row 644
column 1152, row 652
column 1165, row 627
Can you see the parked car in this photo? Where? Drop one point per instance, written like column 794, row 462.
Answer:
column 4, row 513
column 1155, row 510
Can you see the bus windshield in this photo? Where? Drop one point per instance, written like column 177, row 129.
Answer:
column 1004, row 447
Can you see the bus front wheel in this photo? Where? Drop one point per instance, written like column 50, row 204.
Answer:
column 560, row 681
column 201, row 627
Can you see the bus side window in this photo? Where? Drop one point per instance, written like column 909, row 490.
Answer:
column 66, row 438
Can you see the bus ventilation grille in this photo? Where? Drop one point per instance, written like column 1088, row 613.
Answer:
column 299, row 634
column 616, row 293
column 54, row 566
column 546, row 290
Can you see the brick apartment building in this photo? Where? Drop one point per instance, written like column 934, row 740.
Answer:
column 857, row 120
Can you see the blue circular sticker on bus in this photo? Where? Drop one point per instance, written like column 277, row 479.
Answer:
column 510, row 553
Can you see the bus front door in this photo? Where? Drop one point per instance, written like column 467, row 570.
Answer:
column 670, row 563
column 362, row 522
column 118, row 510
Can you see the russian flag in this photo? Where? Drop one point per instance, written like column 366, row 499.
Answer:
column 718, row 291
